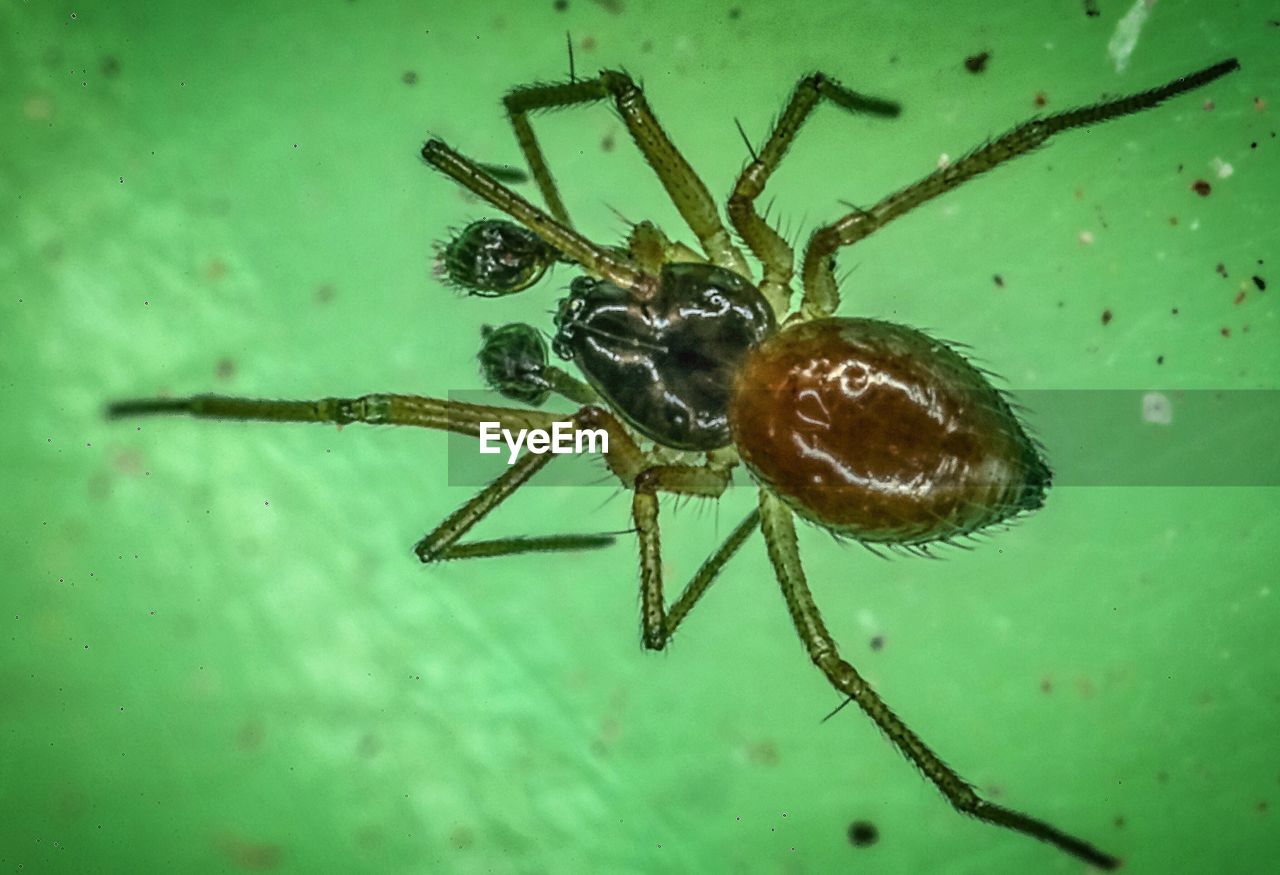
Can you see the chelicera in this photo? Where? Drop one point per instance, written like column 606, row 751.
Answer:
column 694, row 365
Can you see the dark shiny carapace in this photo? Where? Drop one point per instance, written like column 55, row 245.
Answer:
column 881, row 433
column 666, row 364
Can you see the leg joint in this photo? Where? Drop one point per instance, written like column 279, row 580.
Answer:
column 620, row 85
column 648, row 480
column 654, row 637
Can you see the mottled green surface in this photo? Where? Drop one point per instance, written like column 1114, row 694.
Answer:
column 218, row 651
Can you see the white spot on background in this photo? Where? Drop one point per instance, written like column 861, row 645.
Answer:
column 1222, row 168
column 1125, row 38
column 1156, row 408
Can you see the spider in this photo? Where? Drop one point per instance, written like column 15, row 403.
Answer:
column 871, row 430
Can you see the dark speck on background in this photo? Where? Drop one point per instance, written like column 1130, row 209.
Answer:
column 1041, row 99
column 409, row 78
column 1259, row 282
column 735, row 13
column 877, row 642
column 1091, row 8
column 560, row 5
column 763, row 753
column 1201, row 188
column 1106, row 316
column 614, row 6
column 977, row 63
column 248, row 854
column 863, row 833
column 110, row 66
column 999, row 280
column 1159, row 359
column 1221, row 269
column 250, row 736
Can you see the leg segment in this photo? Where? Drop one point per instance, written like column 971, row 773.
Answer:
column 520, row 545
column 442, row 542
column 764, row 241
column 432, row 413
column 414, row 410
column 780, row 538
column 709, row 482
column 683, row 186
column 707, row 574
column 436, row 543
column 820, row 294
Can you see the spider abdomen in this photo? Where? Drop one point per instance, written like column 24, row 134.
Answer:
column 881, row 433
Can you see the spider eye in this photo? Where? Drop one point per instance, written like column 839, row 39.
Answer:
column 512, row 360
column 493, row 257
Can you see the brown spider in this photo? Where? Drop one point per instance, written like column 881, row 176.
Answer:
column 871, row 430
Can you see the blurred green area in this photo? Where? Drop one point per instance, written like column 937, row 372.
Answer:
column 221, row 655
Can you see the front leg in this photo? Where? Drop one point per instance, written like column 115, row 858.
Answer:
column 684, row 187
column 765, row 242
column 378, row 409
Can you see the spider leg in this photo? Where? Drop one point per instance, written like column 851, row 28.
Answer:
column 651, row 249
column 706, row 575
column 624, row 457
column 435, row 544
column 821, row 296
column 596, row 260
column 683, row 186
column 521, row 545
column 765, row 242
column 780, row 538
column 380, row 409
column 657, row 623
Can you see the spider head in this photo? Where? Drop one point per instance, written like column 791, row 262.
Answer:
column 493, row 257
column 666, row 364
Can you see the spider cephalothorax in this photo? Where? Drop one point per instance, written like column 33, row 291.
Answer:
column 871, row 430
column 666, row 364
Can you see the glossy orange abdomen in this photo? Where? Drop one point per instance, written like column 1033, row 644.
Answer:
column 881, row 433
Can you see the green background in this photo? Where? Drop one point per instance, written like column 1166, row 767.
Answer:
column 219, row 653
